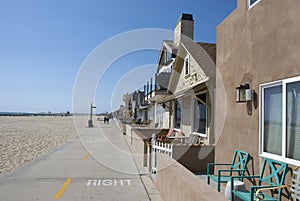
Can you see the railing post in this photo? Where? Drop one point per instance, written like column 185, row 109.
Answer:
column 153, row 154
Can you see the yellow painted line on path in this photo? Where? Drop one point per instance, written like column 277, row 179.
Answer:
column 86, row 156
column 62, row 189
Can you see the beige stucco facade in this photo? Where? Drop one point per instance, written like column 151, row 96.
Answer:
column 255, row 46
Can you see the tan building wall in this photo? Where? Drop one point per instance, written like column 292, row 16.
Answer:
column 254, row 46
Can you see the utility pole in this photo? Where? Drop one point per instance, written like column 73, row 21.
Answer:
column 90, row 122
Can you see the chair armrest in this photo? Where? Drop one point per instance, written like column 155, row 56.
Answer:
column 247, row 177
column 260, row 196
column 235, row 170
column 214, row 164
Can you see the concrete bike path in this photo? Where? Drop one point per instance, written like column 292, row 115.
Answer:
column 95, row 166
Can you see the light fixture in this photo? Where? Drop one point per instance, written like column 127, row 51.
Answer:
column 249, row 93
column 240, row 93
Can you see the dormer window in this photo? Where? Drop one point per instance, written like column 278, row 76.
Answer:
column 187, row 65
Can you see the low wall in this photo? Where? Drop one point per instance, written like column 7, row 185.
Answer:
column 175, row 182
column 194, row 157
column 128, row 130
column 140, row 137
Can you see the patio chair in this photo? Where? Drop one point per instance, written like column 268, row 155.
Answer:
column 169, row 135
column 192, row 139
column 269, row 177
column 238, row 165
column 294, row 187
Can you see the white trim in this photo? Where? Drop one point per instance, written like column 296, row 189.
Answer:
column 280, row 158
column 250, row 6
column 184, row 91
column 177, row 129
column 193, row 114
column 199, row 134
column 261, row 113
column 283, row 146
column 283, row 83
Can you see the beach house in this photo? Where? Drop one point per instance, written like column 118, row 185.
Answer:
column 248, row 101
column 258, row 82
column 185, row 83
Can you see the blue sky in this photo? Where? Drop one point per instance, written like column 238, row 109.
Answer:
column 43, row 44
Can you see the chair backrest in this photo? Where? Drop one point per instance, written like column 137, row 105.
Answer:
column 240, row 161
column 273, row 172
column 295, row 184
column 192, row 139
column 172, row 132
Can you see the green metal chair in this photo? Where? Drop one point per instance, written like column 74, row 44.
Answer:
column 272, row 175
column 238, row 165
column 294, row 187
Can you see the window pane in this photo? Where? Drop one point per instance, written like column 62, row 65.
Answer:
column 177, row 114
column 186, row 66
column 252, row 2
column 273, row 120
column 200, row 116
column 293, row 120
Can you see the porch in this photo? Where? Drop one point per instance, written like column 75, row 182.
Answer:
column 179, row 177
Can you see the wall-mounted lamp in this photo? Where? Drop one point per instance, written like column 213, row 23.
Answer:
column 249, row 93
column 243, row 93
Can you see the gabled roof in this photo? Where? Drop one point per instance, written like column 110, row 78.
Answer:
column 203, row 53
column 166, row 44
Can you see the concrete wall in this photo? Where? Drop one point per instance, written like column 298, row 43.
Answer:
column 175, row 182
column 194, row 157
column 253, row 46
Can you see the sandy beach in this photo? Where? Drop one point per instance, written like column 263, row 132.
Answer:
column 24, row 138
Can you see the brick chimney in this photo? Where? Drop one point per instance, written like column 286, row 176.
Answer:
column 184, row 27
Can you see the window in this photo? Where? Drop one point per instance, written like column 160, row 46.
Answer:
column 252, row 3
column 200, row 114
column 186, row 66
column 280, row 120
column 177, row 114
column 167, row 56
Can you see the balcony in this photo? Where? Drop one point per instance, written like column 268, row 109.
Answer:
column 155, row 92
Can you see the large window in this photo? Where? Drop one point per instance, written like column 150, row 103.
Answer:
column 200, row 114
column 280, row 120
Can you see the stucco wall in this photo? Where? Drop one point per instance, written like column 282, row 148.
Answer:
column 194, row 157
column 175, row 182
column 253, row 46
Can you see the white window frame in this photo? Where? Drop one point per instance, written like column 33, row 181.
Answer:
column 250, row 6
column 194, row 102
column 282, row 157
column 186, row 69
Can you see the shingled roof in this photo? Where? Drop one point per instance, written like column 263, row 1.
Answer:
column 210, row 48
